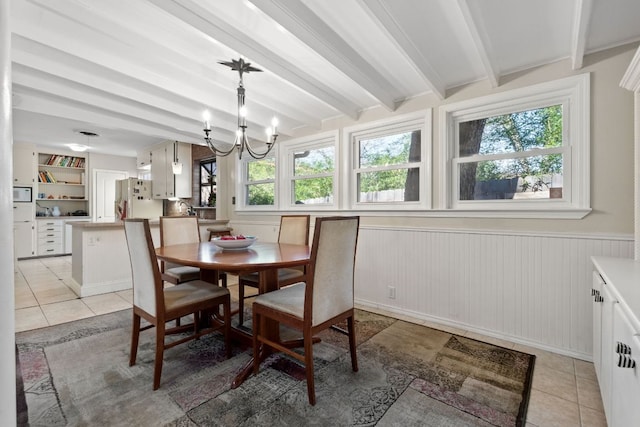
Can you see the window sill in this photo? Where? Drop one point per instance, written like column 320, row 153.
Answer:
column 447, row 213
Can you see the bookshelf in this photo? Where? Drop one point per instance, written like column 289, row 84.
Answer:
column 62, row 182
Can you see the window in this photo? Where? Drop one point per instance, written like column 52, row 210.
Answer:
column 208, row 172
column 312, row 172
column 521, row 150
column 390, row 163
column 259, row 182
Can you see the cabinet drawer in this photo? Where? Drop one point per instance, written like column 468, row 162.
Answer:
column 49, row 248
column 47, row 234
column 49, row 239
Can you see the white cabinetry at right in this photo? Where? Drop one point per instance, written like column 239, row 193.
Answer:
column 616, row 295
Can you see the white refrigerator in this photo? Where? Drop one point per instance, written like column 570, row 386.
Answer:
column 134, row 200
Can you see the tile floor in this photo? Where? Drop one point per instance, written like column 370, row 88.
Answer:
column 564, row 393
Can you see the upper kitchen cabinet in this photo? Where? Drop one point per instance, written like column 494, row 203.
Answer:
column 171, row 170
column 24, row 164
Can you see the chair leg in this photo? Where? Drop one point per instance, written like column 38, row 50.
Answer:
column 157, row 370
column 352, row 343
column 224, row 279
column 227, row 325
column 240, row 303
column 308, row 356
column 256, row 343
column 135, row 335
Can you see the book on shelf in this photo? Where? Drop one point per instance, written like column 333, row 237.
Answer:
column 46, row 176
column 65, row 161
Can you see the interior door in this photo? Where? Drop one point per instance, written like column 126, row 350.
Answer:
column 105, row 194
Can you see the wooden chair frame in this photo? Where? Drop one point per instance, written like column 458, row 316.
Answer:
column 260, row 312
column 163, row 315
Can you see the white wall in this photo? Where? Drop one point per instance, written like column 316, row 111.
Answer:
column 7, row 334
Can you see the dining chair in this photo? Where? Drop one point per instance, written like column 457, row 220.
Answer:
column 176, row 230
column 325, row 299
column 294, row 229
column 158, row 305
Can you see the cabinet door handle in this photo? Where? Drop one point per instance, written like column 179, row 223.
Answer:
column 622, row 348
column 625, row 361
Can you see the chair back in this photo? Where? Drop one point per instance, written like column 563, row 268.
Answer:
column 147, row 285
column 294, row 229
column 177, row 230
column 329, row 290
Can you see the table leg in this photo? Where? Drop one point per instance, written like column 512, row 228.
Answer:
column 268, row 282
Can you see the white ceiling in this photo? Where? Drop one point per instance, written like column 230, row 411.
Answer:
column 143, row 71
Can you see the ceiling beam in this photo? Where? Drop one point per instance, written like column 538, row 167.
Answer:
column 304, row 24
column 137, row 61
column 381, row 13
column 210, row 24
column 581, row 20
column 480, row 41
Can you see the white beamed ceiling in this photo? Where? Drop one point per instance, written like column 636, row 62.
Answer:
column 140, row 72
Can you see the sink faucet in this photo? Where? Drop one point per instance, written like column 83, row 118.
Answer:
column 190, row 210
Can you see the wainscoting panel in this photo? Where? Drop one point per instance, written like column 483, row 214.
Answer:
column 528, row 288
column 531, row 289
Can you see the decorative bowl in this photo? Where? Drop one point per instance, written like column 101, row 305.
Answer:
column 234, row 243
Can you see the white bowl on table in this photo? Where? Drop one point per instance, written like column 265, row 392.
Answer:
column 235, row 243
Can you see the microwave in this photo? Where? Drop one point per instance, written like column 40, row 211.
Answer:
column 22, row 194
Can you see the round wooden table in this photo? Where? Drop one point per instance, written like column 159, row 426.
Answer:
column 264, row 258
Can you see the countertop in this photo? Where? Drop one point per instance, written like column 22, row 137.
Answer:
column 120, row 224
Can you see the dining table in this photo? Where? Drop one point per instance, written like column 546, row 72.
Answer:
column 265, row 258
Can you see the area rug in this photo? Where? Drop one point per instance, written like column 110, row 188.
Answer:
column 77, row 374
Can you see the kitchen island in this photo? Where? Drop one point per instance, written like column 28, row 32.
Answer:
column 100, row 258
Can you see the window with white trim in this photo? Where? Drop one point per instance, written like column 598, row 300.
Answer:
column 258, row 183
column 390, row 163
column 526, row 149
column 311, row 172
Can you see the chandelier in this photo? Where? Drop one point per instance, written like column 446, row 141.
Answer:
column 241, row 142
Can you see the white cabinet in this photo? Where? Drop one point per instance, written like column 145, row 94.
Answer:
column 50, row 237
column 24, row 239
column 24, row 164
column 166, row 184
column 617, row 345
column 625, row 406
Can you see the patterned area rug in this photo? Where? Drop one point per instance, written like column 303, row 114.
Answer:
column 78, row 374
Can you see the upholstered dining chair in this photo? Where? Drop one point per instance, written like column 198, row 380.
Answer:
column 294, row 229
column 325, row 299
column 176, row 230
column 158, row 305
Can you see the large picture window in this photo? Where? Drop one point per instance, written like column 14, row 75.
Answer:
column 526, row 149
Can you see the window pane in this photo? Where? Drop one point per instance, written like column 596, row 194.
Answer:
column 313, row 191
column 390, row 150
column 311, row 162
column 400, row 185
column 537, row 177
column 261, row 169
column 514, row 132
column 208, row 170
column 260, row 194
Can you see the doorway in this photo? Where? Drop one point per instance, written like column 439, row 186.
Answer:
column 104, row 190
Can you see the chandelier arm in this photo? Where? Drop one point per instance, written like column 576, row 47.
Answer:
column 253, row 153
column 217, row 151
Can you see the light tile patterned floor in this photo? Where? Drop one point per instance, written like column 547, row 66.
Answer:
column 564, row 393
